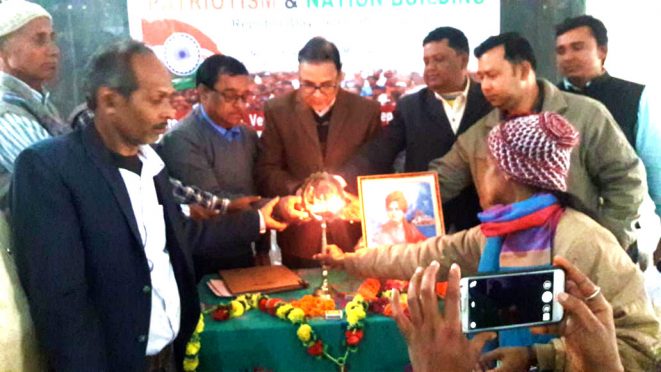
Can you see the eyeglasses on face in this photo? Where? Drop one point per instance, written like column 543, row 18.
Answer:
column 232, row 98
column 325, row 88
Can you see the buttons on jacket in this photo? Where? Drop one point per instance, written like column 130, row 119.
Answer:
column 142, row 338
column 146, row 289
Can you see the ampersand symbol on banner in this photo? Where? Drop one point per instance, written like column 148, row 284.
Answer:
column 290, row 4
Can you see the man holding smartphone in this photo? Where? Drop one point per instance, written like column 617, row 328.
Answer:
column 435, row 341
column 528, row 220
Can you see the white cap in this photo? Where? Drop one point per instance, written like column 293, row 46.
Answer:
column 15, row 14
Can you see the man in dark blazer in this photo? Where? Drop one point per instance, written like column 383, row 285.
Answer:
column 317, row 127
column 427, row 123
column 102, row 249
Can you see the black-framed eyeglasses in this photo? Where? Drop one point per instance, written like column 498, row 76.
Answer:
column 232, row 98
column 325, row 88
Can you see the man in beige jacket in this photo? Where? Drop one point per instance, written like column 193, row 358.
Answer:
column 527, row 222
column 606, row 175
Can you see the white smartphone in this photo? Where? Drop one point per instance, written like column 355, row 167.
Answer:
column 511, row 300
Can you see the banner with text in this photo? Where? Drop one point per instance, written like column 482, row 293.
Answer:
column 380, row 41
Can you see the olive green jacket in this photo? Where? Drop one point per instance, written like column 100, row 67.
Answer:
column 605, row 172
column 578, row 238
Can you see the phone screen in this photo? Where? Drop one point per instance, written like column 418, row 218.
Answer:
column 509, row 300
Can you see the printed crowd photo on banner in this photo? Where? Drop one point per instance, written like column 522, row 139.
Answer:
column 379, row 41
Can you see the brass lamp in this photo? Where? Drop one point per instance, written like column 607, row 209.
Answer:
column 323, row 197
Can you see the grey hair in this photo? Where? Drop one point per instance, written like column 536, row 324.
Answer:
column 111, row 67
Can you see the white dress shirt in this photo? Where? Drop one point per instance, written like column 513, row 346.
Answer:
column 454, row 109
column 165, row 315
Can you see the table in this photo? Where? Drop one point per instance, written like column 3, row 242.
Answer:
column 258, row 340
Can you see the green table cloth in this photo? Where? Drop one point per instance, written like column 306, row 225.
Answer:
column 259, row 341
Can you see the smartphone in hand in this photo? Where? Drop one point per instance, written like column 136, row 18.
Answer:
column 511, row 300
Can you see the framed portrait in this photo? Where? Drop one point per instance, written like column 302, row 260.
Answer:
column 400, row 208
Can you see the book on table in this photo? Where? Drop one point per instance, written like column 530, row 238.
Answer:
column 264, row 279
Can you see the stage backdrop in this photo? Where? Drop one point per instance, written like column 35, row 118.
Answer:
column 380, row 41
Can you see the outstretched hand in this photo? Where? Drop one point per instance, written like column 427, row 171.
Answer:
column 435, row 341
column 290, row 209
column 267, row 213
column 333, row 256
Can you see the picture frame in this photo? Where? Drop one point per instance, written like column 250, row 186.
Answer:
column 400, row 208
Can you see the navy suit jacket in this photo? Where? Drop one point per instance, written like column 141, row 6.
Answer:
column 81, row 260
column 421, row 127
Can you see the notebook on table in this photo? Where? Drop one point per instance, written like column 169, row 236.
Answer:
column 264, row 279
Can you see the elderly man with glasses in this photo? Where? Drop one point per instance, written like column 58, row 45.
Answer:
column 317, row 127
column 29, row 57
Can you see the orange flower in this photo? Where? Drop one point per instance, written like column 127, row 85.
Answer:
column 314, row 306
column 369, row 289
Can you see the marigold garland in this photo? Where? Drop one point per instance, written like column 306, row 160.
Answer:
column 314, row 306
column 191, row 359
column 355, row 310
column 369, row 298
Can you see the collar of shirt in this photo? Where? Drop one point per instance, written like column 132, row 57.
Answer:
column 152, row 164
column 228, row 134
column 323, row 112
column 573, row 88
column 459, row 97
column 454, row 108
column 18, row 87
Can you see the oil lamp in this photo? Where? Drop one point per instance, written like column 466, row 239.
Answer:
column 323, row 197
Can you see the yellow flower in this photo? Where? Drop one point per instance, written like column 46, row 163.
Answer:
column 190, row 364
column 304, row 332
column 403, row 298
column 193, row 348
column 200, row 325
column 355, row 314
column 351, row 305
column 358, row 298
column 237, row 309
column 352, row 318
column 387, row 294
column 254, row 299
column 282, row 310
column 296, row 315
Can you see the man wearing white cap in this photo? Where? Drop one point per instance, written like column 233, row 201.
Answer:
column 29, row 57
